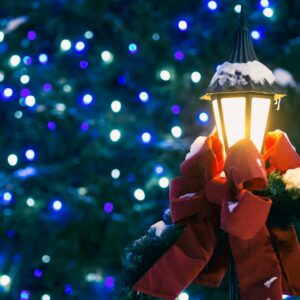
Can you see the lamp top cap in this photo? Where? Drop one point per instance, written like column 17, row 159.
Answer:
column 242, row 50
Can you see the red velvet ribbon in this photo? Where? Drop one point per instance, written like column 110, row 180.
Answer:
column 266, row 259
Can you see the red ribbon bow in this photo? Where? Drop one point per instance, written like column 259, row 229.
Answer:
column 266, row 259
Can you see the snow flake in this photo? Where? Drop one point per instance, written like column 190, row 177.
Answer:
column 270, row 281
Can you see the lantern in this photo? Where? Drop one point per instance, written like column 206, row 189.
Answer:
column 242, row 91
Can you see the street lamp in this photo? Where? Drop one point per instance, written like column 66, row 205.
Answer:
column 241, row 92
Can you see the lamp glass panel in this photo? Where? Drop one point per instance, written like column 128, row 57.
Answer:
column 218, row 120
column 259, row 116
column 234, row 114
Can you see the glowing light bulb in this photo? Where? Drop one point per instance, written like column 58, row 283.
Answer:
column 212, row 5
column 107, row 56
column 268, row 12
column 8, row 92
column 79, row 46
column 176, row 131
column 12, row 159
column 132, row 48
column 15, row 60
column 30, row 101
column 30, row 202
column 144, row 96
column 7, row 196
column 115, row 135
column 139, row 194
column 195, row 77
column 238, row 8
column 182, row 25
column 165, row 75
column 87, row 99
column 255, row 34
column 116, row 106
column 203, row 117
column 5, row 280
column 57, row 205
column 115, row 173
column 30, row 154
column 65, row 45
column 264, row 3
column 24, row 79
column 1, row 36
column 2, row 76
column 146, row 137
column 183, row 296
column 163, row 182
column 88, row 35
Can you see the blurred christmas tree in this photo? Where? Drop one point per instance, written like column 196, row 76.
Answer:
column 99, row 103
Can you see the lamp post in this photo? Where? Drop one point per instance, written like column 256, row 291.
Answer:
column 242, row 91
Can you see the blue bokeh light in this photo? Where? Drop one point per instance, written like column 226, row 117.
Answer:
column 255, row 34
column 203, row 117
column 133, row 48
column 146, row 137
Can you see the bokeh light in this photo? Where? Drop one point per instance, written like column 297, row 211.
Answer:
column 139, row 194
column 212, row 5
column 182, row 25
column 176, row 131
column 65, row 45
column 115, row 135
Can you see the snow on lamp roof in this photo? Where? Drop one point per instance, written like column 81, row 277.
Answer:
column 243, row 72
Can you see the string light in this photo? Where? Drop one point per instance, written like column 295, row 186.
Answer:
column 116, row 106
column 183, row 296
column 65, row 45
column 238, row 8
column 139, row 194
column 24, row 79
column 24, row 295
column 30, row 101
column 79, row 46
column 146, row 137
column 165, row 75
column 158, row 169
column 46, row 259
column 1, row 36
column 57, row 205
column 268, row 12
column 182, row 25
column 115, row 135
column 115, row 173
column 203, row 117
column 132, row 48
column 195, row 77
column 108, row 207
column 30, row 202
column 255, row 34
column 144, row 96
column 87, row 99
column 7, row 197
column 176, row 131
column 2, row 76
column 163, row 182
column 30, row 154
column 15, row 60
column 5, row 280
column 12, row 159
column 212, row 5
column 88, row 35
column 8, row 92
column 264, row 3
column 107, row 56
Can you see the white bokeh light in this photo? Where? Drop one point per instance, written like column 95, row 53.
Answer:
column 165, row 75
column 115, row 135
column 15, row 60
column 30, row 202
column 12, row 159
column 107, row 56
column 195, row 77
column 65, row 45
column 115, row 173
column 116, row 106
column 5, row 280
column 176, row 131
column 163, row 182
column 139, row 194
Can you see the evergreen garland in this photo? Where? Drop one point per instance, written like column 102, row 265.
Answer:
column 144, row 252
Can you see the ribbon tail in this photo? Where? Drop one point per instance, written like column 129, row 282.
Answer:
column 214, row 272
column 287, row 248
column 181, row 264
column 257, row 266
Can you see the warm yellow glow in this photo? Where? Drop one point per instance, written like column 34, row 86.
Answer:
column 234, row 112
column 218, row 120
column 259, row 117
